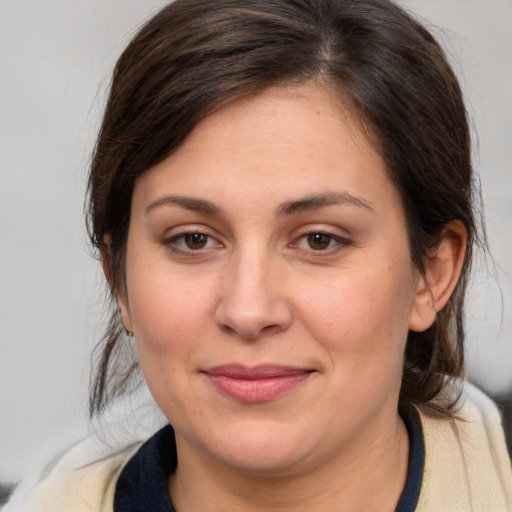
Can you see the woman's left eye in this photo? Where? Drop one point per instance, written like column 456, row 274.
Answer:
column 320, row 241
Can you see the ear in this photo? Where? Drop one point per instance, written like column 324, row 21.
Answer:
column 441, row 275
column 121, row 297
column 106, row 260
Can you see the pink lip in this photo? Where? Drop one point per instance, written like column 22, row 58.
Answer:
column 255, row 384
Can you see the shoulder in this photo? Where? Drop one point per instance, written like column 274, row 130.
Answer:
column 467, row 466
column 83, row 478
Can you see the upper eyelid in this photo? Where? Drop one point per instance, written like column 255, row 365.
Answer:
column 341, row 242
column 182, row 234
column 310, row 229
column 337, row 233
column 334, row 236
column 176, row 244
column 189, row 229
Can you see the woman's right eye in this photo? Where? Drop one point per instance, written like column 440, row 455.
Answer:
column 192, row 242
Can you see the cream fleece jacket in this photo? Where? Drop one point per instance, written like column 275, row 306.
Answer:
column 467, row 467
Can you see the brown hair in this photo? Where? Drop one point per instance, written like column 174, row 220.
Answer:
column 196, row 55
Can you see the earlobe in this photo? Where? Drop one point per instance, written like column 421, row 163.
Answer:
column 125, row 315
column 442, row 273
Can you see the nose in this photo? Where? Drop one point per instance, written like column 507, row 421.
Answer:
column 252, row 302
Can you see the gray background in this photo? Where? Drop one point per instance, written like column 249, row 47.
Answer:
column 55, row 59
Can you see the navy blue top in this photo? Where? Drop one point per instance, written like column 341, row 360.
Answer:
column 409, row 498
column 142, row 484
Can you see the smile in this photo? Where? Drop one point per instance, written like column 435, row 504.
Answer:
column 257, row 384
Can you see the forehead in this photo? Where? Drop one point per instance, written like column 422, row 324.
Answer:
column 286, row 141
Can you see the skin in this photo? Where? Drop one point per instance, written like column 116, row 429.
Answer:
column 255, row 182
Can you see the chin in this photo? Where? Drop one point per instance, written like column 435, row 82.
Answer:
column 266, row 449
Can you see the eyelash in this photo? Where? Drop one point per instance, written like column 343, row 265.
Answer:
column 339, row 242
column 179, row 243
column 173, row 242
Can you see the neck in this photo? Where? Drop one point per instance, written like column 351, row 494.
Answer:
column 368, row 476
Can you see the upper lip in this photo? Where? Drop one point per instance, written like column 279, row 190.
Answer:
column 263, row 371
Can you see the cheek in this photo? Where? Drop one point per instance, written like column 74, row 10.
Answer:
column 169, row 320
column 167, row 313
column 361, row 316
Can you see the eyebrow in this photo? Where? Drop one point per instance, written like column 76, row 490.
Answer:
column 306, row 203
column 190, row 203
column 316, row 201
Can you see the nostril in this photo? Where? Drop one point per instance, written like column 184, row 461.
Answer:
column 251, row 324
column 270, row 328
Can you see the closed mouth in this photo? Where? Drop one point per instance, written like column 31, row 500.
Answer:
column 256, row 384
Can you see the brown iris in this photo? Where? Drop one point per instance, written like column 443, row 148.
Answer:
column 319, row 241
column 195, row 240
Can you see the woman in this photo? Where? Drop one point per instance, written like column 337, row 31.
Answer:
column 281, row 194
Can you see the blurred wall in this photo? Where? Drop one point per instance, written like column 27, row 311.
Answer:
column 55, row 60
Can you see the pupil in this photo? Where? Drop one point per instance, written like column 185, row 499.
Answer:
column 195, row 240
column 318, row 241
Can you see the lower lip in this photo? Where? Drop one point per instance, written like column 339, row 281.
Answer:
column 256, row 390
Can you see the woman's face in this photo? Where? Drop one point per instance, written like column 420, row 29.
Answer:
column 270, row 286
